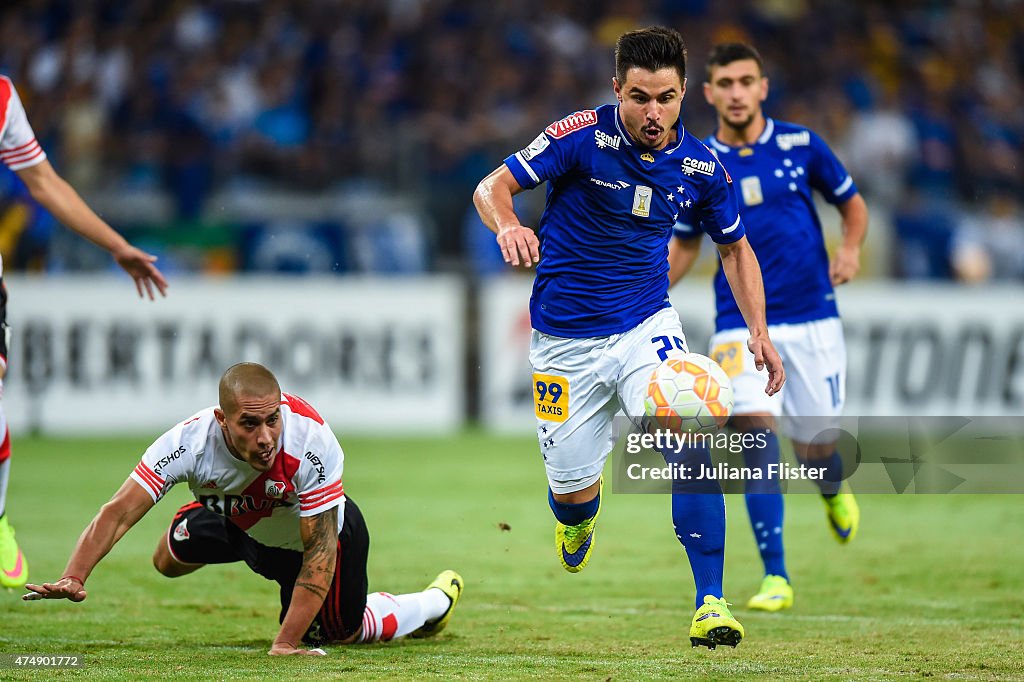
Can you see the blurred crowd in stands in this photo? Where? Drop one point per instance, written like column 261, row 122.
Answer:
column 190, row 99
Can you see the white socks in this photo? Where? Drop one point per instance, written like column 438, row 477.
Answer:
column 388, row 616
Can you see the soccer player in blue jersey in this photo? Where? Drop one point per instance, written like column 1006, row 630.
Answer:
column 778, row 166
column 619, row 177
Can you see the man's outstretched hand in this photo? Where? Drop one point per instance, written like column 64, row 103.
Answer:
column 289, row 649
column 66, row 588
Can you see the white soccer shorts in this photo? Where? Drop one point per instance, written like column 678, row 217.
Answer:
column 580, row 384
column 814, row 355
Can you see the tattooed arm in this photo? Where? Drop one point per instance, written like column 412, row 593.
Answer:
column 320, row 552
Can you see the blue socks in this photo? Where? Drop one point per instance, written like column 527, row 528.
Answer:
column 833, row 478
column 573, row 514
column 698, row 514
column 764, row 502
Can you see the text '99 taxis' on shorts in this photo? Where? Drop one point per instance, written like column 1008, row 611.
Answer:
column 198, row 536
column 814, row 355
column 580, row 384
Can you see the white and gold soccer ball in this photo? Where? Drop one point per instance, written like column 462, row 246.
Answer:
column 689, row 392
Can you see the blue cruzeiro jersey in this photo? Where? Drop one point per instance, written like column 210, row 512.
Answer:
column 611, row 206
column 776, row 177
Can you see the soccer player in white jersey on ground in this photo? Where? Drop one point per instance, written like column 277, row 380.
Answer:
column 618, row 179
column 266, row 471
column 20, row 151
column 778, row 166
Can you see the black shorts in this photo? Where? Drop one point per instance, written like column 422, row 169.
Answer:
column 198, row 536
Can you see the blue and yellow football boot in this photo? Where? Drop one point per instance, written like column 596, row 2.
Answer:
column 843, row 515
column 575, row 543
column 775, row 594
column 713, row 624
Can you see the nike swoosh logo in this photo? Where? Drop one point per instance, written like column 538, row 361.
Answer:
column 576, row 557
column 16, row 573
column 842, row 533
column 709, row 615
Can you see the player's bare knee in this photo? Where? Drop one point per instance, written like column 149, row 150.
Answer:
column 811, row 452
column 579, row 496
column 173, row 569
column 161, row 562
column 754, row 422
column 162, row 565
column 166, row 564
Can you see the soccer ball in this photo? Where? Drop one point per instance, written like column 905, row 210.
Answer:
column 689, row 392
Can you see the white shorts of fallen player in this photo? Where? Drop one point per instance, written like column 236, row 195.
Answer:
column 580, row 384
column 814, row 355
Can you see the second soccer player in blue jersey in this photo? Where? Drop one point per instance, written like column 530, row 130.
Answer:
column 778, row 166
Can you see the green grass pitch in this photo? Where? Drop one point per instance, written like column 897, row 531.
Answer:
column 932, row 587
